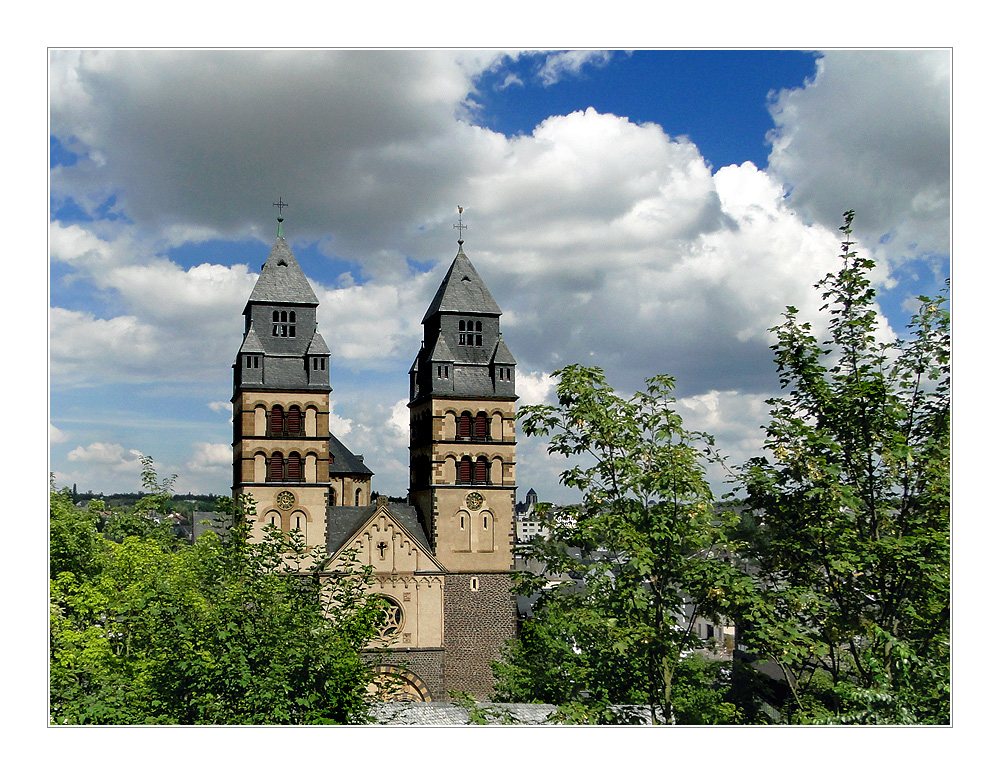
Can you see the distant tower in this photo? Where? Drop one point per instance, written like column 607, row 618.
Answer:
column 462, row 468
column 281, row 401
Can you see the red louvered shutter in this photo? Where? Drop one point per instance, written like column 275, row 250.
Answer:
column 480, row 471
column 277, row 421
column 465, row 471
column 275, row 469
column 465, row 425
column 293, row 421
column 294, row 470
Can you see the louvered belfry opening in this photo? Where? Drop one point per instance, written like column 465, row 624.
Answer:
column 293, row 470
column 293, row 421
column 465, row 471
column 479, row 430
column 277, row 423
column 481, row 471
column 275, row 468
column 465, row 425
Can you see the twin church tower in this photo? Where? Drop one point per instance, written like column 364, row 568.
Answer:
column 443, row 560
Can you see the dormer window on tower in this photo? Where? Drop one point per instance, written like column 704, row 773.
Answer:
column 283, row 323
column 470, row 333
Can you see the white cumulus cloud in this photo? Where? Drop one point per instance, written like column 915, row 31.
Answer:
column 106, row 454
column 206, row 455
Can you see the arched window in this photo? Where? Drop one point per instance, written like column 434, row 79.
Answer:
column 481, row 473
column 276, row 468
column 277, row 421
column 479, row 430
column 293, row 421
column 357, row 497
column 463, row 473
column 465, row 425
column 293, row 469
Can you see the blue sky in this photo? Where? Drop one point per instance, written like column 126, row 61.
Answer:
column 717, row 98
column 646, row 212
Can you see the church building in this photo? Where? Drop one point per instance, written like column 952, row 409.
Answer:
column 443, row 560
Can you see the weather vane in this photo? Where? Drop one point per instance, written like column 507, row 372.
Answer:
column 281, row 206
column 460, row 226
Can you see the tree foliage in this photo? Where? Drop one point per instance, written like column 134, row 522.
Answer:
column 637, row 557
column 218, row 632
column 843, row 527
column 853, row 499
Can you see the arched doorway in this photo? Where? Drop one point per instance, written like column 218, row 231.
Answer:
column 396, row 684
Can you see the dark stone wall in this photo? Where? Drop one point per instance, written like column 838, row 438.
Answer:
column 476, row 624
column 426, row 664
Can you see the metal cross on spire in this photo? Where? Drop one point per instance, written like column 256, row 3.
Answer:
column 460, row 226
column 281, row 206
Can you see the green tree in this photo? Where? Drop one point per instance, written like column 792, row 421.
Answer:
column 639, row 553
column 145, row 518
column 853, row 499
column 219, row 632
column 73, row 535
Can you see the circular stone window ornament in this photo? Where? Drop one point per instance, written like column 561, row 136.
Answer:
column 393, row 621
column 285, row 499
column 473, row 500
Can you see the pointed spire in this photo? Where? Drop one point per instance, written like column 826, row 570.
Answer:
column 282, row 280
column 462, row 289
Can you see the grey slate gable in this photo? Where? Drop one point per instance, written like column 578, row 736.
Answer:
column 343, row 461
column 252, row 343
column 342, row 522
column 502, row 355
column 318, row 345
column 441, row 351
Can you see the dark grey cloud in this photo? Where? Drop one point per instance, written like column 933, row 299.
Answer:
column 871, row 133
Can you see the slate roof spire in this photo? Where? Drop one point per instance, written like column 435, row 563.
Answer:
column 462, row 290
column 282, row 280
